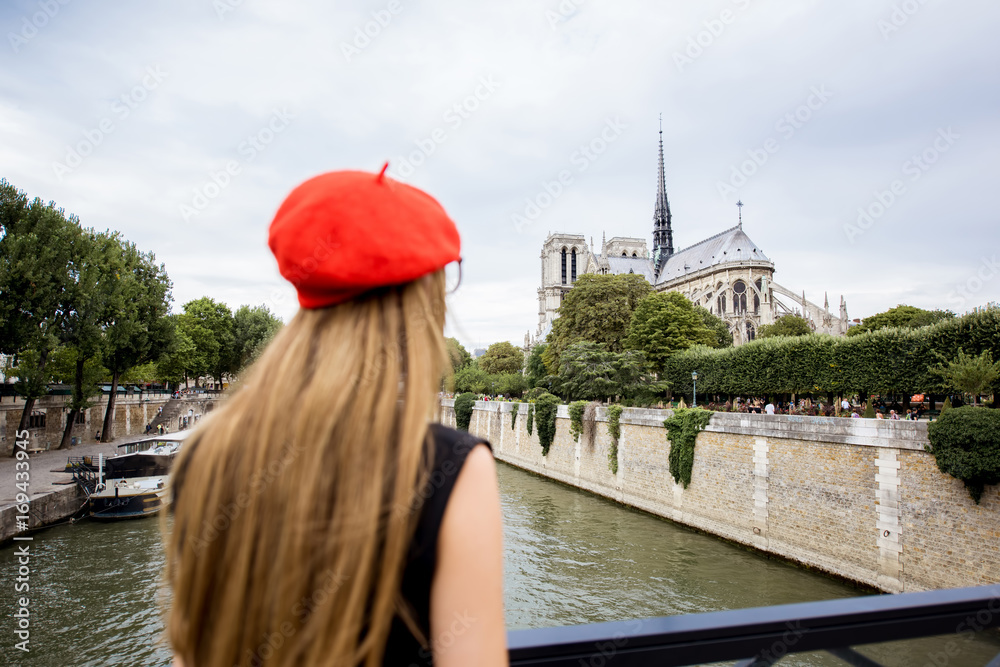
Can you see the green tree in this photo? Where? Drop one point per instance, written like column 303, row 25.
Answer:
column 176, row 362
column 665, row 323
column 535, row 370
column 459, row 356
column 589, row 371
column 209, row 325
column 718, row 326
column 472, row 379
column 40, row 253
column 510, row 384
column 502, row 357
column 138, row 331
column 909, row 317
column 253, row 328
column 971, row 374
column 786, row 325
column 597, row 309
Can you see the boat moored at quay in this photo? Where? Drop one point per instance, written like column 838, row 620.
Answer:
column 130, row 485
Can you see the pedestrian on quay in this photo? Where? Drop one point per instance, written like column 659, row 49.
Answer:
column 374, row 537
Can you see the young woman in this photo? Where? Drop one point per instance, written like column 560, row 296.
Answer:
column 319, row 518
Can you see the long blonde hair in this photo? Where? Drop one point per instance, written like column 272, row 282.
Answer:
column 294, row 503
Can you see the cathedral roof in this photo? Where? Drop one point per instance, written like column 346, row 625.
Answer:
column 732, row 245
column 637, row 265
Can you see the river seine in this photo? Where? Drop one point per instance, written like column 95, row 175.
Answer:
column 570, row 558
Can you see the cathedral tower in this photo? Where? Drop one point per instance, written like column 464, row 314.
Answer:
column 663, row 235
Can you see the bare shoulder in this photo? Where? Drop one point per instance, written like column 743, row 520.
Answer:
column 467, row 620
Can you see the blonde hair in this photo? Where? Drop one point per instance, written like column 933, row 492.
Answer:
column 294, row 503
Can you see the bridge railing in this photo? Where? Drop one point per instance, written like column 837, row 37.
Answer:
column 762, row 636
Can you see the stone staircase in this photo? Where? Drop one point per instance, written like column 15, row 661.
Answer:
column 171, row 410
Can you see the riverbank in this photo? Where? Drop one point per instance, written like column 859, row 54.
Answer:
column 54, row 498
column 857, row 498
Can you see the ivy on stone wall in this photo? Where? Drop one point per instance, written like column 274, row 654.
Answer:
column 682, row 431
column 615, row 431
column 576, row 419
column 531, row 417
column 545, row 409
column 513, row 415
column 464, row 405
column 965, row 443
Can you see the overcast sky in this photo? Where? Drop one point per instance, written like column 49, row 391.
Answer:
column 122, row 113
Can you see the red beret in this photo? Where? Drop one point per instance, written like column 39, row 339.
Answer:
column 344, row 233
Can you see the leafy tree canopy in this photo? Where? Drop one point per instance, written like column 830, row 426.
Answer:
column 597, row 309
column 589, row 371
column 535, row 370
column 665, row 323
column 502, row 357
column 459, row 356
column 209, row 325
column 253, row 329
column 909, row 317
column 723, row 336
column 786, row 325
column 971, row 374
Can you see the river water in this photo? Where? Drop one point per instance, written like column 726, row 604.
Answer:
column 570, row 558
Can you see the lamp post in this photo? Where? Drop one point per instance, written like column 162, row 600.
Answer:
column 694, row 393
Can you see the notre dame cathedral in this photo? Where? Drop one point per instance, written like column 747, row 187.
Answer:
column 726, row 273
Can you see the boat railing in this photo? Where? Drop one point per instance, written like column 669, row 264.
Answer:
column 762, row 636
column 87, row 471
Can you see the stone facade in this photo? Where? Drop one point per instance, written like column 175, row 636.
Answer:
column 859, row 499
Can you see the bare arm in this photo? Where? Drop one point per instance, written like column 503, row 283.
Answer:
column 467, row 622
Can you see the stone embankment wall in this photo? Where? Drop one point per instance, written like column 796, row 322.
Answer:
column 858, row 498
column 132, row 413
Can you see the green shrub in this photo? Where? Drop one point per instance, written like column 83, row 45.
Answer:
column 464, row 405
column 531, row 417
column 869, row 410
column 513, row 416
column 682, row 430
column 965, row 443
column 946, row 405
column 576, row 419
column 615, row 431
column 545, row 409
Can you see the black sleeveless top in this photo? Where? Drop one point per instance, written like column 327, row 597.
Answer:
column 451, row 447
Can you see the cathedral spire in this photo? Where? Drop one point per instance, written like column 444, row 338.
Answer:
column 663, row 235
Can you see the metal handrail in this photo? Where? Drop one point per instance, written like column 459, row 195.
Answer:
column 761, row 636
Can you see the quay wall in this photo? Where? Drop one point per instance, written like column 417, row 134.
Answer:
column 857, row 498
column 46, row 509
column 132, row 413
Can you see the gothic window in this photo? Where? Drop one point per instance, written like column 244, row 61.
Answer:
column 756, row 305
column 573, row 271
column 739, row 297
column 722, row 304
column 564, row 266
column 750, row 332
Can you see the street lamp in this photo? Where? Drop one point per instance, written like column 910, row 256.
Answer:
column 694, row 394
